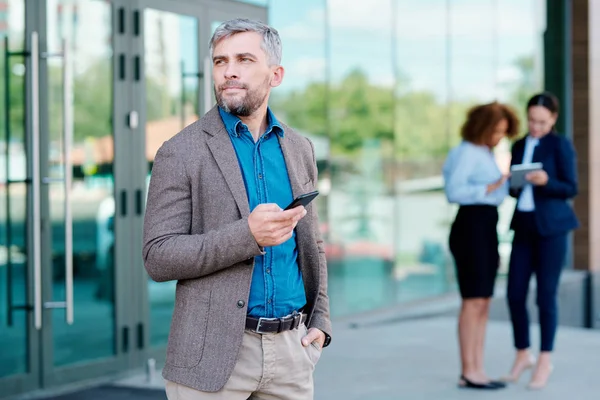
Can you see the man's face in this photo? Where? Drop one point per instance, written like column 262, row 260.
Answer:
column 242, row 75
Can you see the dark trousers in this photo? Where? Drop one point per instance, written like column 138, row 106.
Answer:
column 544, row 256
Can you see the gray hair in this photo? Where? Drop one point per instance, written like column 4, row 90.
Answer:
column 271, row 43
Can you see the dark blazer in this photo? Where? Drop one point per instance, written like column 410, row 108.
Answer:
column 553, row 214
column 196, row 232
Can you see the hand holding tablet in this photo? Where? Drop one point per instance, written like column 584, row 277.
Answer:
column 519, row 172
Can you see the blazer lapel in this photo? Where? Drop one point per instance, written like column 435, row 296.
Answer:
column 222, row 150
column 541, row 149
column 292, row 161
column 518, row 152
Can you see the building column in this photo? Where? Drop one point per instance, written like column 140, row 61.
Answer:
column 586, row 138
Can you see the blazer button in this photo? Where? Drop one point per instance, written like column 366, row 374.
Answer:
column 241, row 303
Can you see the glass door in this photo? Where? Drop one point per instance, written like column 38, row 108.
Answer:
column 19, row 364
column 176, row 89
column 81, row 324
column 171, row 79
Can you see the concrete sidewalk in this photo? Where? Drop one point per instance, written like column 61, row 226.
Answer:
column 418, row 360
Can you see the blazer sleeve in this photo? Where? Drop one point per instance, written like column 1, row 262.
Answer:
column 515, row 192
column 321, row 318
column 564, row 185
column 170, row 252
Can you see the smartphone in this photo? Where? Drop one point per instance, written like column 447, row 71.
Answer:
column 303, row 199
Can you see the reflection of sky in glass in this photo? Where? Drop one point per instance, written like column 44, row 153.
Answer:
column 173, row 28
column 487, row 36
column 14, row 18
column 188, row 32
column 301, row 25
column 360, row 36
column 78, row 21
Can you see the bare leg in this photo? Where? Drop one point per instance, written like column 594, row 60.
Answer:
column 481, row 329
column 542, row 371
column 468, row 336
column 523, row 361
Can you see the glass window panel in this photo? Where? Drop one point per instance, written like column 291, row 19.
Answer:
column 520, row 28
column 13, row 192
column 412, row 68
column 423, row 134
column 473, row 50
column 171, row 66
column 361, row 113
column 86, row 24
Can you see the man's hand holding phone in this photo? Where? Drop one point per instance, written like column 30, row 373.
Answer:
column 272, row 226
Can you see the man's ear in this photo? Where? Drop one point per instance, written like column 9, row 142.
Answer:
column 278, row 73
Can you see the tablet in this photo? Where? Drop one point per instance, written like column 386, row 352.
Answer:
column 518, row 172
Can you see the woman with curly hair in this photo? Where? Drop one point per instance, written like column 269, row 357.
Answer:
column 473, row 180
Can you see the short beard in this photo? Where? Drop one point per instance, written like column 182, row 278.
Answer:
column 244, row 107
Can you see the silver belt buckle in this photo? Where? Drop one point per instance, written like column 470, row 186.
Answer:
column 260, row 321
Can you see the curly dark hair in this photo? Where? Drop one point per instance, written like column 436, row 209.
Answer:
column 482, row 119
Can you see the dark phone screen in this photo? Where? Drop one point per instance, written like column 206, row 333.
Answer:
column 303, row 199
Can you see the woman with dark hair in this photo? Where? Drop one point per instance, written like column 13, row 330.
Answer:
column 473, row 180
column 541, row 222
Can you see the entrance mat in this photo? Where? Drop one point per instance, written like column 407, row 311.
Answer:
column 113, row 393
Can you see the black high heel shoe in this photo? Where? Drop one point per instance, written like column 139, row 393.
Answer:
column 492, row 385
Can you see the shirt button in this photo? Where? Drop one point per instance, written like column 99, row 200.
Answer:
column 268, row 270
column 269, row 301
column 259, row 176
column 241, row 303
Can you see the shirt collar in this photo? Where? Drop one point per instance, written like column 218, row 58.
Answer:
column 234, row 124
column 532, row 140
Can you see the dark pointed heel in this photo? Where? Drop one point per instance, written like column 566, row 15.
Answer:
column 465, row 383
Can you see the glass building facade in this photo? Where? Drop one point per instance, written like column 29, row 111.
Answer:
column 382, row 87
column 90, row 89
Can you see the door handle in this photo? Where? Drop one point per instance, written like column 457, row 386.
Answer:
column 67, row 146
column 67, row 304
column 35, row 181
column 8, row 208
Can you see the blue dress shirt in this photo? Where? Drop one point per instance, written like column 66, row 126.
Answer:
column 468, row 170
column 277, row 287
column 526, row 202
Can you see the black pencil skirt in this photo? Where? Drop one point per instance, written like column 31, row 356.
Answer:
column 474, row 246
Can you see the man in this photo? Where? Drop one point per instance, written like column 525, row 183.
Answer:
column 249, row 283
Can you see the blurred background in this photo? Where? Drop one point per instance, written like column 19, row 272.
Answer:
column 90, row 89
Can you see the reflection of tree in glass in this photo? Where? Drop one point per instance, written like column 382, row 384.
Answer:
column 359, row 111
column 93, row 101
column 363, row 111
column 420, row 124
column 16, row 93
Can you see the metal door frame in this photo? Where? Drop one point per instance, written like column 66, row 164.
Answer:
column 14, row 384
column 52, row 376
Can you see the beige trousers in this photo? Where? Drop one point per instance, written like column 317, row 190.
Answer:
column 269, row 367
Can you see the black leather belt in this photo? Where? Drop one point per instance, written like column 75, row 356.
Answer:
column 275, row 325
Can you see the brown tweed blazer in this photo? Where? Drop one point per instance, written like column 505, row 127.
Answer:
column 196, row 232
